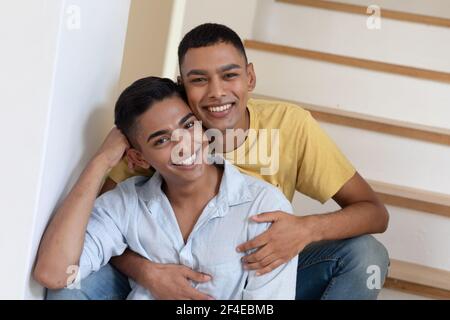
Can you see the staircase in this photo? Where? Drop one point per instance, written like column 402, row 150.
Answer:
column 383, row 95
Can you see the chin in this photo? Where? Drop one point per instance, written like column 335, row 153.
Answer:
column 187, row 176
column 222, row 125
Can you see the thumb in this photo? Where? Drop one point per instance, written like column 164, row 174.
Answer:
column 266, row 217
column 196, row 276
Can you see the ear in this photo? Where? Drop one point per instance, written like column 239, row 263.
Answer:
column 135, row 156
column 251, row 77
column 179, row 81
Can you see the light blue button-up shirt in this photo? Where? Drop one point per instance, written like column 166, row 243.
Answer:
column 138, row 215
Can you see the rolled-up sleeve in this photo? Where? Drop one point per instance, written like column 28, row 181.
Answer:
column 106, row 231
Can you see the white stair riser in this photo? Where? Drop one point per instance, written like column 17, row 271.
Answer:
column 436, row 8
column 418, row 237
column 393, row 159
column 353, row 89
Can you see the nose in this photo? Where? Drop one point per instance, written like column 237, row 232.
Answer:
column 216, row 89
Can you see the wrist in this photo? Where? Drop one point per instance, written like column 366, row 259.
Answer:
column 312, row 224
column 101, row 162
column 146, row 273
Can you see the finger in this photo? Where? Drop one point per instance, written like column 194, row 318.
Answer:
column 267, row 216
column 270, row 267
column 257, row 242
column 260, row 264
column 196, row 276
column 257, row 256
column 193, row 294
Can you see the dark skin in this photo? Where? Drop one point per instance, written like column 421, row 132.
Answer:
column 209, row 80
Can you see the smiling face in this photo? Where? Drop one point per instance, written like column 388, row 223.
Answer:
column 155, row 132
column 217, row 82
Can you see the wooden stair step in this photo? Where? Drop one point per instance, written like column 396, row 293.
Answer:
column 385, row 13
column 349, row 61
column 418, row 279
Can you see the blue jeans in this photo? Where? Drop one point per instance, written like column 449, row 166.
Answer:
column 326, row 270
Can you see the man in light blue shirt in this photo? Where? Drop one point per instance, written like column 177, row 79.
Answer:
column 189, row 212
column 138, row 214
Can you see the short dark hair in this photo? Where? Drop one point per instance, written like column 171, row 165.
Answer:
column 138, row 98
column 209, row 34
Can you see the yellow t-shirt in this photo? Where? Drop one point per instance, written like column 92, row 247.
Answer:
column 285, row 147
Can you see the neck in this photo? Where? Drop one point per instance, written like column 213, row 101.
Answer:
column 199, row 191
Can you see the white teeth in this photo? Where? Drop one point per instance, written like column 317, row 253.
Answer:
column 220, row 108
column 188, row 161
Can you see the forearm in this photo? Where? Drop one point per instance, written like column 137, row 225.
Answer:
column 359, row 218
column 62, row 243
column 164, row 281
column 133, row 266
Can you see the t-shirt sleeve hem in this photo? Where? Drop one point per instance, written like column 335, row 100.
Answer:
column 333, row 189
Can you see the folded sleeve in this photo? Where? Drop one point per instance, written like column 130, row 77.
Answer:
column 106, row 231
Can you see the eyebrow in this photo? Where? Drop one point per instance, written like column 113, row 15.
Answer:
column 183, row 120
column 224, row 68
column 165, row 131
column 157, row 133
column 229, row 67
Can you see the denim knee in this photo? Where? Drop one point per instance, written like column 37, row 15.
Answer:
column 66, row 294
column 365, row 251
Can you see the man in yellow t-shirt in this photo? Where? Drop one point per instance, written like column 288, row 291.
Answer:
column 284, row 145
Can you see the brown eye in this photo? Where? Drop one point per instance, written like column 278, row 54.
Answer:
column 198, row 80
column 189, row 124
column 161, row 141
column 230, row 75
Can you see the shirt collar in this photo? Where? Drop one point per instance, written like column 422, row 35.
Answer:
column 233, row 189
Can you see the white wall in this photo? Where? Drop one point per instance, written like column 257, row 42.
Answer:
column 60, row 110
column 29, row 33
